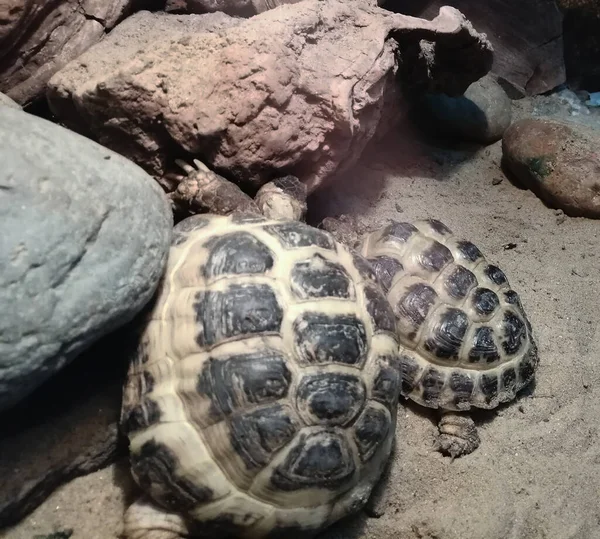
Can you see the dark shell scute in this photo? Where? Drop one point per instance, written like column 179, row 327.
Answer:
column 320, row 278
column 495, row 274
column 485, row 301
column 330, row 339
column 512, row 298
column 252, row 378
column 448, row 334
column 386, row 386
column 331, row 398
column 469, row 250
column 148, row 381
column 515, row 333
column 240, row 310
column 462, row 387
column 439, row 227
column 156, row 464
column 385, row 268
column 409, row 370
column 459, row 282
column 379, row 309
column 489, row 386
column 237, row 253
column 527, row 368
column 509, row 379
column 189, row 224
column 294, row 235
column 398, row 231
column 484, row 346
column 432, row 383
column 435, row 257
column 141, row 416
column 321, row 459
column 416, row 303
column 258, row 434
column 370, row 432
column 364, row 267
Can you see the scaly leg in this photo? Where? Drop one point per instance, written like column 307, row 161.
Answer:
column 145, row 520
column 458, row 435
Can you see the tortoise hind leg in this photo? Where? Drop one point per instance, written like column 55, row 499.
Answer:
column 457, row 435
column 144, row 520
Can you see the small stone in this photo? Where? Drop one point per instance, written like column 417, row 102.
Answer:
column 496, row 181
column 559, row 161
column 482, row 114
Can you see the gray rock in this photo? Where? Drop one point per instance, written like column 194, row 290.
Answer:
column 85, row 236
column 481, row 114
column 8, row 102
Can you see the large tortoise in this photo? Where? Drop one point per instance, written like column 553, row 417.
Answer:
column 263, row 396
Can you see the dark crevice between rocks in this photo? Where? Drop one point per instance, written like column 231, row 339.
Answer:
column 67, row 428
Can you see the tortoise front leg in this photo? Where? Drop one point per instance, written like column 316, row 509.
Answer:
column 203, row 191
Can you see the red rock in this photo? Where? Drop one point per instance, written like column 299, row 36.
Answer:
column 38, row 37
column 296, row 90
column 557, row 160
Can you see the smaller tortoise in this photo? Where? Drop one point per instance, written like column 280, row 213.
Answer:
column 263, row 397
column 465, row 339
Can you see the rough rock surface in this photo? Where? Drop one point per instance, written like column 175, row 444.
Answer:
column 559, row 161
column 296, row 90
column 239, row 8
column 38, row 37
column 482, row 114
column 85, row 235
column 66, row 428
column 8, row 102
column 526, row 36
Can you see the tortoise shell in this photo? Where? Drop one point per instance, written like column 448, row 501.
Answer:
column 263, row 395
column 465, row 339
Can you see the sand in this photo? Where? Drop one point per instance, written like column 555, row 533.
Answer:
column 536, row 474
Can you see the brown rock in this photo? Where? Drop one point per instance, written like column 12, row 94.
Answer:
column 526, row 36
column 298, row 90
column 559, row 161
column 38, row 37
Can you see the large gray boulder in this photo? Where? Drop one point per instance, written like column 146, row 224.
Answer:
column 85, row 236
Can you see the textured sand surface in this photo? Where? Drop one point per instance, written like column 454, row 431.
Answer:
column 536, row 474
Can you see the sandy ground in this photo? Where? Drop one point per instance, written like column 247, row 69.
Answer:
column 536, row 474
